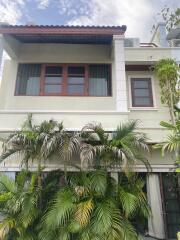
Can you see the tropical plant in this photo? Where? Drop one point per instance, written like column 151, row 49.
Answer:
column 123, row 148
column 167, row 72
column 23, row 203
column 19, row 206
column 93, row 146
column 92, row 206
column 37, row 143
column 172, row 144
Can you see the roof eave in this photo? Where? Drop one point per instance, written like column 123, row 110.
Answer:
column 63, row 30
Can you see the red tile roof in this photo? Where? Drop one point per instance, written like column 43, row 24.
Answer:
column 62, row 29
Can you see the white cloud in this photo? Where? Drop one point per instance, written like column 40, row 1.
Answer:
column 137, row 15
column 10, row 11
column 134, row 14
column 43, row 4
column 74, row 8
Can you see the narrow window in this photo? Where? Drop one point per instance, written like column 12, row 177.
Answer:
column 53, row 80
column 99, row 80
column 141, row 91
column 28, row 79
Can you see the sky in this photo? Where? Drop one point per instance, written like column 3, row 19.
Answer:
column 138, row 15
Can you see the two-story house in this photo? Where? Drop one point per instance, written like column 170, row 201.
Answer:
column 81, row 74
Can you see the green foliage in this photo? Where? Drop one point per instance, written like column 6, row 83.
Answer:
column 37, row 143
column 125, row 147
column 93, row 146
column 18, row 205
column 83, row 205
column 167, row 73
column 171, row 17
column 89, row 205
column 172, row 144
column 86, row 209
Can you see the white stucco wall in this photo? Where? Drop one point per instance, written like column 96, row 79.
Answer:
column 73, row 111
column 145, row 54
column 149, row 118
column 53, row 53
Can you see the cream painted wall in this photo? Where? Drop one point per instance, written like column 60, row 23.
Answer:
column 65, row 53
column 144, row 54
column 56, row 53
column 149, row 119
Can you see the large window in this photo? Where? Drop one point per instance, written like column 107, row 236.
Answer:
column 64, row 80
column 141, row 91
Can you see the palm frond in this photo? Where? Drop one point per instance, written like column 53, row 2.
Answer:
column 60, row 210
column 83, row 211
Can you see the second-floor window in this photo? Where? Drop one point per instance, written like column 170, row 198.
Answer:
column 64, row 80
column 141, row 92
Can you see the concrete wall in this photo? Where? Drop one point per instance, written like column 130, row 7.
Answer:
column 77, row 111
column 145, row 54
column 149, row 117
column 53, row 53
column 65, row 53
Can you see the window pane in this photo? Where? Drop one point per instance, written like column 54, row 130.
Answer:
column 76, row 80
column 98, row 87
column 99, row 80
column 33, row 86
column 53, row 70
column 75, row 89
column 53, row 88
column 141, row 92
column 76, row 70
column 140, row 101
column 140, row 83
column 54, row 80
column 28, row 79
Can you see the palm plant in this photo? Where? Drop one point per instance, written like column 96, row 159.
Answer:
column 93, row 206
column 172, row 144
column 124, row 148
column 18, row 206
column 40, row 142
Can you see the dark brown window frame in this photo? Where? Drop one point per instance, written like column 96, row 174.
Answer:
column 64, row 82
column 149, row 79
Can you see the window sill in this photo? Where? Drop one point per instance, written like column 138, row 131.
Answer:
column 143, row 109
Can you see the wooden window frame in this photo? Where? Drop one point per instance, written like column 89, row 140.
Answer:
column 65, row 80
column 149, row 79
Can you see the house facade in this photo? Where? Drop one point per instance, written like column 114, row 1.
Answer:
column 78, row 75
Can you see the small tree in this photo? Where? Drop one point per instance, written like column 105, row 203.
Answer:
column 166, row 71
column 171, row 17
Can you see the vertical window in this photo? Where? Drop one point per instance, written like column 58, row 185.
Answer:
column 76, row 80
column 53, row 80
column 28, row 79
column 141, row 90
column 99, row 80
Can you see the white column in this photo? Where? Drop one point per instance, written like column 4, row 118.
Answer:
column 120, row 77
column 156, row 221
column 1, row 49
